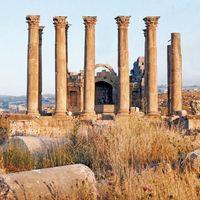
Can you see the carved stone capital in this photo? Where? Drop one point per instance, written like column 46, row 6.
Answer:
column 89, row 21
column 123, row 21
column 60, row 21
column 33, row 21
column 151, row 21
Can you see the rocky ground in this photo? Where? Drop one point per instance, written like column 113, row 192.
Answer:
column 188, row 96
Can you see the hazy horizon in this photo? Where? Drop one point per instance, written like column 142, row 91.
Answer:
column 176, row 16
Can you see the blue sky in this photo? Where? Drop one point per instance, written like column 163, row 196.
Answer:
column 176, row 16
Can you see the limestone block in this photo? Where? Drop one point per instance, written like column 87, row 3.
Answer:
column 63, row 183
column 195, row 107
column 36, row 146
column 193, row 158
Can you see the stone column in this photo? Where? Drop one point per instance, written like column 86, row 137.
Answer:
column 81, row 96
column 60, row 65
column 123, row 65
column 145, row 72
column 176, row 72
column 40, row 69
column 66, row 35
column 33, row 65
column 89, row 67
column 169, row 85
column 152, row 82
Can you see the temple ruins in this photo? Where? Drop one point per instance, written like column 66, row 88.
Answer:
column 88, row 94
column 91, row 94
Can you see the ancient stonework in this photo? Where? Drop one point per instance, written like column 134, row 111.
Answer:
column 86, row 93
column 89, row 67
column 61, row 63
column 195, row 107
column 152, row 96
column 33, row 65
column 123, row 65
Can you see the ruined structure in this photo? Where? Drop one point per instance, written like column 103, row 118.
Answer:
column 137, row 84
column 88, row 93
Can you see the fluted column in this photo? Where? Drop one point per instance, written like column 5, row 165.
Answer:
column 33, row 65
column 145, row 72
column 40, row 69
column 123, row 65
column 60, row 65
column 176, row 72
column 169, row 84
column 152, row 80
column 89, row 67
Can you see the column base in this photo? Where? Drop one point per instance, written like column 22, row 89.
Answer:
column 88, row 116
column 60, row 113
column 122, row 114
column 62, row 117
column 33, row 113
column 153, row 114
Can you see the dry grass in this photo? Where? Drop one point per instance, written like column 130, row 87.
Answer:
column 123, row 155
column 135, row 159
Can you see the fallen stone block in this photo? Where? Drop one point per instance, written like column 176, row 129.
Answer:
column 71, row 182
column 36, row 146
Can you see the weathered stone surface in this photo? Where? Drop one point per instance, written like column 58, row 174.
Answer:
column 63, row 183
column 123, row 65
column 169, row 84
column 193, row 160
column 176, row 72
column 23, row 125
column 195, row 107
column 151, row 60
column 33, row 65
column 89, row 68
column 61, row 63
column 40, row 70
column 36, row 146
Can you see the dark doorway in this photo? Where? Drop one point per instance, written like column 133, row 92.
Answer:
column 103, row 93
column 73, row 99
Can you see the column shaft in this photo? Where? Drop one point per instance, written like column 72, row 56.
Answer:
column 176, row 72
column 89, row 66
column 123, row 65
column 169, row 84
column 33, row 65
column 40, row 69
column 145, row 72
column 152, row 94
column 61, row 64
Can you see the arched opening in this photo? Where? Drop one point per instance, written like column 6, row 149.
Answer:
column 106, row 66
column 103, row 93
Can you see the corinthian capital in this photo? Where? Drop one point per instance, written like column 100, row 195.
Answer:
column 60, row 21
column 123, row 21
column 33, row 20
column 151, row 21
column 90, row 21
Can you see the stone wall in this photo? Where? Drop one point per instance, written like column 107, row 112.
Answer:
column 22, row 125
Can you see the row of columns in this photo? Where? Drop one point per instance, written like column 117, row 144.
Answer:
column 34, row 89
column 174, row 70
column 34, row 82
